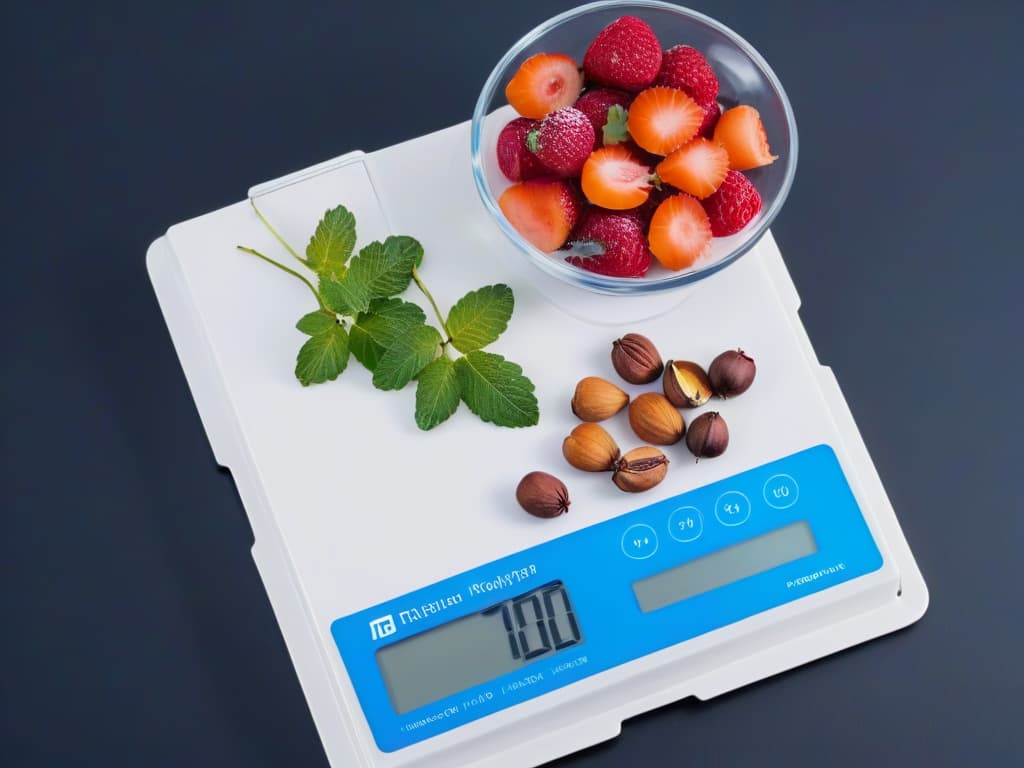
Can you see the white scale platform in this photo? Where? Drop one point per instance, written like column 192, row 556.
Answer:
column 352, row 505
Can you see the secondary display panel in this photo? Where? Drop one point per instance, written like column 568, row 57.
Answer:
column 483, row 640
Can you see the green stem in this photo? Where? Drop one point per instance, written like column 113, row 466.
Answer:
column 437, row 312
column 273, row 231
column 282, row 267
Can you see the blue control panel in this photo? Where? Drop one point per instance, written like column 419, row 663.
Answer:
column 519, row 627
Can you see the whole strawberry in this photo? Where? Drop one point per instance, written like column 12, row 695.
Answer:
column 563, row 141
column 626, row 54
column 617, row 242
column 595, row 104
column 516, row 161
column 732, row 207
column 685, row 68
column 711, row 114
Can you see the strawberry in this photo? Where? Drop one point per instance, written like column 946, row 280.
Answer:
column 543, row 83
column 543, row 211
column 685, row 68
column 562, row 141
column 680, row 232
column 613, row 177
column 626, row 54
column 595, row 103
column 732, row 207
column 643, row 213
column 662, row 119
column 624, row 251
column 711, row 114
column 741, row 132
column 697, row 167
column 516, row 161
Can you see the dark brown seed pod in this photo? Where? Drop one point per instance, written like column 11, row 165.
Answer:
column 708, row 435
column 542, row 495
column 640, row 469
column 686, row 384
column 732, row 373
column 636, row 359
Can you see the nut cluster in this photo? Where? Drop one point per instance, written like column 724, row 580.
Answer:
column 654, row 417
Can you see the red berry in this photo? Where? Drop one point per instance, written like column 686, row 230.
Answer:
column 563, row 141
column 595, row 104
column 685, row 68
column 626, row 54
column 620, row 238
column 516, row 161
column 543, row 211
column 732, row 207
column 711, row 114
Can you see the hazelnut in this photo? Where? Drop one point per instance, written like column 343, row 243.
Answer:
column 655, row 419
column 708, row 436
column 686, row 384
column 732, row 373
column 597, row 399
column 640, row 469
column 542, row 495
column 636, row 359
column 590, row 448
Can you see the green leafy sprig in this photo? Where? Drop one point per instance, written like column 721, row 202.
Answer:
column 359, row 314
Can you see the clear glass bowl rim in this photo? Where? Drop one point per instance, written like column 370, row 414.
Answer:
column 604, row 283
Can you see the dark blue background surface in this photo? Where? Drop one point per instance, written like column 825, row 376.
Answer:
column 135, row 629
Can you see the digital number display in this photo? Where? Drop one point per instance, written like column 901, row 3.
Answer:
column 478, row 648
column 748, row 558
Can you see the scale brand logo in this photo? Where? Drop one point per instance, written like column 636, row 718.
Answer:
column 382, row 627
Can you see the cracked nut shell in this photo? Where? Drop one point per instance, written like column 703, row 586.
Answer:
column 543, row 495
column 636, row 359
column 597, row 399
column 708, row 436
column 655, row 419
column 732, row 373
column 686, row 384
column 590, row 448
column 640, row 469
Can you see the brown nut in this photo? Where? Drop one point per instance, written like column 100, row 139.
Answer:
column 708, row 436
column 640, row 469
column 542, row 495
column 655, row 419
column 590, row 448
column 636, row 359
column 597, row 399
column 686, row 384
column 732, row 373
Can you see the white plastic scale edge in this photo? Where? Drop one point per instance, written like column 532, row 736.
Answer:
column 381, row 187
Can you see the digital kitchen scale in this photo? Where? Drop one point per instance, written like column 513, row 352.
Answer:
column 434, row 623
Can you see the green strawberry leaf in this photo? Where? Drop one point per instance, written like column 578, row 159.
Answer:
column 496, row 390
column 614, row 131
column 383, row 269
column 332, row 243
column 377, row 328
column 323, row 357
column 480, row 317
column 315, row 323
column 437, row 393
column 406, row 357
column 344, row 296
column 403, row 247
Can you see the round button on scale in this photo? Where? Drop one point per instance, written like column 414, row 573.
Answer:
column 639, row 541
column 781, row 491
column 686, row 524
column 732, row 508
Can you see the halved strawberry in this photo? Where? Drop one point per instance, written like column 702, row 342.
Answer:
column 680, row 232
column 662, row 119
column 614, row 178
column 543, row 211
column 697, row 167
column 741, row 132
column 543, row 83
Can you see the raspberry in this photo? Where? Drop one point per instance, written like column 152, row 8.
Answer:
column 732, row 207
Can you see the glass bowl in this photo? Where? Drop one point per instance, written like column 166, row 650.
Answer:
column 745, row 78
